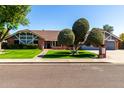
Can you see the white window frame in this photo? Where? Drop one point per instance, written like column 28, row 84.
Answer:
column 21, row 41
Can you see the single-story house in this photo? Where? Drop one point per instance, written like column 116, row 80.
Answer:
column 43, row 38
column 48, row 39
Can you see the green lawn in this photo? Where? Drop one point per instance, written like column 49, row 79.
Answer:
column 19, row 53
column 67, row 54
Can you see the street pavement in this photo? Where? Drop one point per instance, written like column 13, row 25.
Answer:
column 62, row 75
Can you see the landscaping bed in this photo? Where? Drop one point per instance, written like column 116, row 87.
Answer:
column 67, row 54
column 19, row 53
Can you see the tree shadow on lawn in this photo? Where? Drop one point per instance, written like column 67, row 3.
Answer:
column 62, row 53
column 67, row 54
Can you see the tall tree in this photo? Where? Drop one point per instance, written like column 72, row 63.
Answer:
column 11, row 17
column 80, row 29
column 108, row 28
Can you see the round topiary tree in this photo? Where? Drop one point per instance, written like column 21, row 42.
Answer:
column 66, row 37
column 95, row 38
column 80, row 29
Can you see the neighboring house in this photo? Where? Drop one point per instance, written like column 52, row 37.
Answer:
column 112, row 42
column 48, row 39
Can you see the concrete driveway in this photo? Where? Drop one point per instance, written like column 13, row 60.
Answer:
column 114, row 56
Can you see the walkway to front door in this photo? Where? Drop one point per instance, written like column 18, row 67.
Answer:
column 41, row 54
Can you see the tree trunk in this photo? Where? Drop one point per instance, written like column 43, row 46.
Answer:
column 73, row 48
column 0, row 46
column 2, row 38
column 100, row 52
column 0, row 42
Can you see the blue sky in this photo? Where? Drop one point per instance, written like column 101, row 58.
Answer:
column 59, row 17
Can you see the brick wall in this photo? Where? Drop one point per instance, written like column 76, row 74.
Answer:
column 10, row 40
column 41, row 43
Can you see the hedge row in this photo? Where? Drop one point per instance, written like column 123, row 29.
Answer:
column 19, row 46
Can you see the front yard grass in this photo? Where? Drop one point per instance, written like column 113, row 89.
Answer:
column 67, row 54
column 19, row 53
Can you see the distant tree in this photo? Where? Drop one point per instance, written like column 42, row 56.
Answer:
column 80, row 29
column 95, row 38
column 108, row 28
column 11, row 17
column 122, row 38
column 66, row 37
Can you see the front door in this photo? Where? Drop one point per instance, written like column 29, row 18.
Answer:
column 47, row 44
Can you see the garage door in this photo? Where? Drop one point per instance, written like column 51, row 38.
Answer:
column 110, row 45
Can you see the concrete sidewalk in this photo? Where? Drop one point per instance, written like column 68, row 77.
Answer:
column 84, row 60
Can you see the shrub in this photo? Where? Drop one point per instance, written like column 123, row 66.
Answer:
column 34, row 46
column 66, row 37
column 95, row 38
column 20, row 46
column 4, row 45
column 122, row 45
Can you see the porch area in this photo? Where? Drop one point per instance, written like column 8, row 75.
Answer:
column 50, row 44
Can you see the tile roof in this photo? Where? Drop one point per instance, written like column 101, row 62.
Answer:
column 48, row 35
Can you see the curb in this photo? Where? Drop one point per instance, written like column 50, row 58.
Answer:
column 51, row 62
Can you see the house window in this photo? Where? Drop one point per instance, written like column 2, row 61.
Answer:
column 16, row 41
column 29, row 42
column 29, row 37
column 23, row 41
column 35, row 41
column 26, row 38
column 22, row 37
